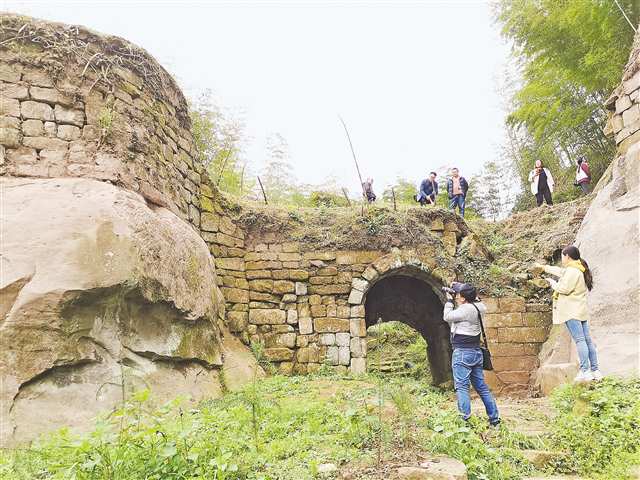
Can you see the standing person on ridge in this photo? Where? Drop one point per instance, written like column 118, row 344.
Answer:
column 457, row 188
column 570, row 307
column 428, row 190
column 367, row 186
column 583, row 176
column 467, row 357
column 541, row 183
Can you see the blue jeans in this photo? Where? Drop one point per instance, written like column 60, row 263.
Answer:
column 459, row 201
column 467, row 368
column 579, row 330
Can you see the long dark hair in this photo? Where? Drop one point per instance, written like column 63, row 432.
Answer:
column 572, row 252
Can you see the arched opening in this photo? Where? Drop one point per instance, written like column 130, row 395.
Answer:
column 407, row 297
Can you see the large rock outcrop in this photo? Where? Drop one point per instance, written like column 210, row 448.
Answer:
column 107, row 281
column 609, row 239
column 101, row 293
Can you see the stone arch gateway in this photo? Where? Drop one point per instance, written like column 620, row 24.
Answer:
column 408, row 295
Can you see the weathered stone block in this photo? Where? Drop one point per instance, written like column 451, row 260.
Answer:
column 622, row 103
column 357, row 311
column 9, row 106
column 69, row 132
column 299, row 275
column 491, row 304
column 522, row 377
column 506, row 349
column 358, row 366
column 278, row 354
column 522, row 334
column 515, row 363
column 327, row 272
column 503, row 320
column 370, row 274
column 319, row 310
column 512, row 304
column 50, row 95
column 304, row 309
column 289, row 298
column 331, row 325
column 289, row 257
column 358, row 347
column 236, row 264
column 332, row 356
column 33, row 128
column 537, row 319
column 301, row 288
column 343, row 339
column 305, row 325
column 68, row 115
column 358, row 327
column 450, row 241
column 360, row 284
column 631, row 115
column 344, row 356
column 332, row 310
column 45, row 143
column 267, row 316
column 283, row 286
column 36, row 110
column 292, row 317
column 355, row 297
column 235, row 295
column 237, row 321
column 286, row 340
column 343, row 311
column 10, row 73
column 327, row 339
column 335, row 289
column 325, row 256
column 10, row 137
column 19, row 92
column 253, row 274
column 21, row 155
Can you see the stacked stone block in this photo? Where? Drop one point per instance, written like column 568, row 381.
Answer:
column 624, row 104
column 515, row 332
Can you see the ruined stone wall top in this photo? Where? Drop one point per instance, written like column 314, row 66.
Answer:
column 75, row 103
column 624, row 103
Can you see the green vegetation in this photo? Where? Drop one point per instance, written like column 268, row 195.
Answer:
column 598, row 425
column 285, row 427
column 570, row 55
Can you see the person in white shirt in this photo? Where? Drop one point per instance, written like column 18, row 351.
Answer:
column 541, row 183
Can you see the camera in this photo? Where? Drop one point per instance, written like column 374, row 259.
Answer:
column 448, row 290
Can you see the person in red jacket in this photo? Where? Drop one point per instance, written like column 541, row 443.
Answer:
column 583, row 176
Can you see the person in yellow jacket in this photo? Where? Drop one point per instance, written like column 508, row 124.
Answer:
column 570, row 307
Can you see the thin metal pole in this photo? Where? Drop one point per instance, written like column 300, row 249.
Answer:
column 625, row 16
column 364, row 194
column 393, row 192
column 344, row 192
column 264, row 195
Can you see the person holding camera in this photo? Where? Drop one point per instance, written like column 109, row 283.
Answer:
column 570, row 307
column 541, row 183
column 467, row 361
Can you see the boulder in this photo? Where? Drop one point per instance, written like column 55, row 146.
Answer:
column 439, row 468
column 100, row 291
column 613, row 259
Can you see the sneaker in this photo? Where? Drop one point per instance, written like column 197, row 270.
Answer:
column 495, row 423
column 597, row 375
column 583, row 377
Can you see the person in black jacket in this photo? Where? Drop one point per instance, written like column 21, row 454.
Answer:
column 457, row 188
column 428, row 190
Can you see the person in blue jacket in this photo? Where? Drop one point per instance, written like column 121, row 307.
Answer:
column 457, row 188
column 428, row 190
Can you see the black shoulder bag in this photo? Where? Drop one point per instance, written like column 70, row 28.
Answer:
column 484, row 346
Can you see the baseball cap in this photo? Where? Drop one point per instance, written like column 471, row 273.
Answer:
column 466, row 290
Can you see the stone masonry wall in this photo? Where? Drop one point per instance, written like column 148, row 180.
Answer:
column 74, row 103
column 624, row 104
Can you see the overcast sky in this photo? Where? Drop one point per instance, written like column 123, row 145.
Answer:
column 416, row 81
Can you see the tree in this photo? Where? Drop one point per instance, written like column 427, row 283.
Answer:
column 219, row 138
column 570, row 55
column 277, row 177
column 489, row 197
